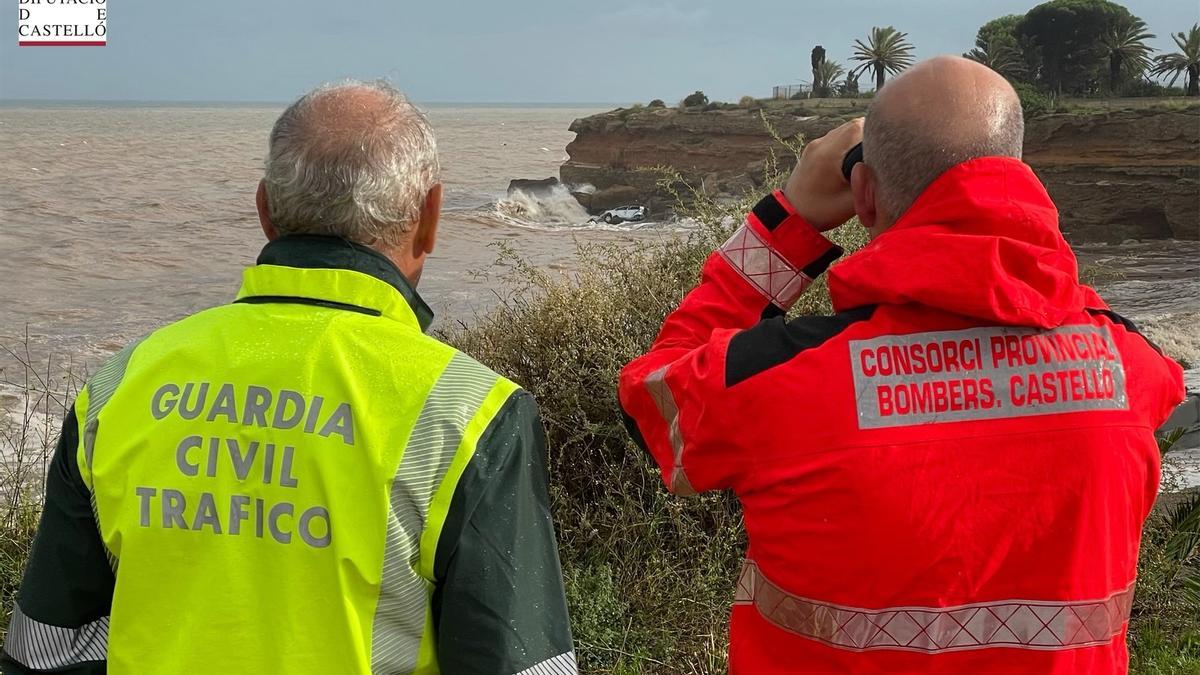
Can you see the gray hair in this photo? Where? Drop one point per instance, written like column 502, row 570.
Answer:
column 908, row 155
column 352, row 160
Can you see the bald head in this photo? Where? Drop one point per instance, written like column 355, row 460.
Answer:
column 354, row 160
column 939, row 113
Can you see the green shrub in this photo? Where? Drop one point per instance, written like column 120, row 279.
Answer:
column 1033, row 101
column 1148, row 89
column 16, row 537
column 660, row 566
column 656, row 103
column 625, row 113
column 1164, row 627
column 694, row 99
column 748, row 101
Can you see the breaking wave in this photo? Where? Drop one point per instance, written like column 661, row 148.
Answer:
column 555, row 209
column 555, row 206
column 1178, row 334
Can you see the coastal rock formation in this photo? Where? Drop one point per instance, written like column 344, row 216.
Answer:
column 1115, row 175
column 1127, row 174
column 622, row 152
column 533, row 186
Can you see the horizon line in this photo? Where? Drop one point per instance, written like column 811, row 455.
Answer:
column 7, row 100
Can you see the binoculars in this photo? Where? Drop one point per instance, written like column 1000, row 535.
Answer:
column 853, row 157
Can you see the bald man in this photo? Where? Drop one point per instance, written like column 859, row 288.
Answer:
column 301, row 480
column 948, row 475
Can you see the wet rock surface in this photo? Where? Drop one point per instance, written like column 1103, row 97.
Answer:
column 533, row 186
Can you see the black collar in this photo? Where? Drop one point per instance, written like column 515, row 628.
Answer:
column 318, row 252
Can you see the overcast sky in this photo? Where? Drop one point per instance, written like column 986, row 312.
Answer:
column 488, row 51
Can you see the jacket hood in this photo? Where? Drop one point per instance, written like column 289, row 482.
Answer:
column 982, row 241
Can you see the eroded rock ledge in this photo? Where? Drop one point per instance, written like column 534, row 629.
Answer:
column 1115, row 172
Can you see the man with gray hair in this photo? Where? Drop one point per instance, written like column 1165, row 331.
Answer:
column 950, row 473
column 302, row 481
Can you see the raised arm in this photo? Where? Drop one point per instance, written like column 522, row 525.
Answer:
column 676, row 397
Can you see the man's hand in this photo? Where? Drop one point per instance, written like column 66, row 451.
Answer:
column 816, row 188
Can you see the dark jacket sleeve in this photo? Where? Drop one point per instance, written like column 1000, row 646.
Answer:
column 499, row 605
column 60, row 620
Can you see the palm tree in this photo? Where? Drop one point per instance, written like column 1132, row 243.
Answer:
column 1186, row 60
column 850, row 86
column 818, row 59
column 1001, row 56
column 887, row 50
column 1126, row 48
column 824, row 76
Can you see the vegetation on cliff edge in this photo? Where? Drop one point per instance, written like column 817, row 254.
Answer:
column 1081, row 48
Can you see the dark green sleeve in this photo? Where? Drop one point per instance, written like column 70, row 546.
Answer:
column 60, row 620
column 499, row 605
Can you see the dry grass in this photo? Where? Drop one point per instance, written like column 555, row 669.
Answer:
column 40, row 390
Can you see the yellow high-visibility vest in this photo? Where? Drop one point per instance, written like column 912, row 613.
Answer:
column 281, row 463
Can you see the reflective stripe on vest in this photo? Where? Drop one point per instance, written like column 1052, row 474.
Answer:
column 763, row 267
column 99, row 390
column 88, row 405
column 1023, row 624
column 45, row 647
column 664, row 400
column 438, row 449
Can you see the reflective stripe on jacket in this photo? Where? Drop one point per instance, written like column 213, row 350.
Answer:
column 297, row 482
column 948, row 475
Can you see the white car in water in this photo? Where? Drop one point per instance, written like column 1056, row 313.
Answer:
column 622, row 214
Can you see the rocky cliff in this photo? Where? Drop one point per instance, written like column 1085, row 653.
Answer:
column 1115, row 174
column 1128, row 174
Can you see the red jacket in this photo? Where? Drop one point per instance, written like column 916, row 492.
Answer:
column 950, row 474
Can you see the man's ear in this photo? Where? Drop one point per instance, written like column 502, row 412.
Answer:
column 264, row 212
column 431, row 212
column 862, row 184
